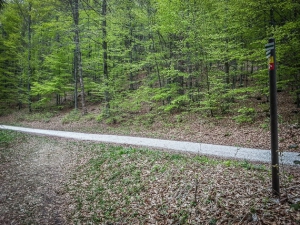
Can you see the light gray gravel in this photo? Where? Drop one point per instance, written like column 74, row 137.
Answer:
column 248, row 154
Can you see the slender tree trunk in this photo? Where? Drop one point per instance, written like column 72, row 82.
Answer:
column 75, row 81
column 58, row 99
column 20, row 94
column 84, row 110
column 298, row 99
column 227, row 72
column 29, row 59
column 226, row 65
column 156, row 63
column 131, row 87
column 105, row 57
column 57, row 39
column 78, row 67
column 298, row 93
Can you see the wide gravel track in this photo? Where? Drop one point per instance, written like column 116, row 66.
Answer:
column 249, row 154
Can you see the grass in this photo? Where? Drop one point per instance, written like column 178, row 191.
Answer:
column 73, row 116
column 8, row 138
column 5, row 111
column 35, row 116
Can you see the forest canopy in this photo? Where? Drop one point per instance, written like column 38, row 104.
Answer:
column 203, row 56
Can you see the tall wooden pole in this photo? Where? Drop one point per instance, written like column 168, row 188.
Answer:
column 270, row 48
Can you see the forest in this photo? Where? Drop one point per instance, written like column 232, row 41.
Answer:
column 169, row 56
column 185, row 70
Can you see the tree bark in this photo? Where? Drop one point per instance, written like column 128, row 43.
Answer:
column 105, row 57
column 78, row 64
column 29, row 58
column 75, row 81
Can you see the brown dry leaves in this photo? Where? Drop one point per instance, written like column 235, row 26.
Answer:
column 116, row 185
column 191, row 127
column 142, row 187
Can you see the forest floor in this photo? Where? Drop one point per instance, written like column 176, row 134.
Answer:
column 182, row 127
column 55, row 181
column 32, row 174
column 47, row 180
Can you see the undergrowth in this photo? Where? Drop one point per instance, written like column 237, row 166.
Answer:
column 35, row 116
column 73, row 116
column 7, row 139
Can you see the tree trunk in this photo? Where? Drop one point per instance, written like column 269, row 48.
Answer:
column 155, row 60
column 84, row 110
column 75, row 81
column 105, row 58
column 78, row 65
column 131, row 87
column 29, row 58
column 227, row 72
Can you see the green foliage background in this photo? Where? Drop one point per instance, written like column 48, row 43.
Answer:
column 202, row 56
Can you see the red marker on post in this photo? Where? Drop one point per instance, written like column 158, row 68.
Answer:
column 271, row 63
column 271, row 56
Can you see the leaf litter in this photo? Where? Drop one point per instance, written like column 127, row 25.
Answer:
column 191, row 126
column 57, row 181
column 146, row 187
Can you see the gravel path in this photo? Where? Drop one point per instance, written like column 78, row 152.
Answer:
column 32, row 181
column 258, row 155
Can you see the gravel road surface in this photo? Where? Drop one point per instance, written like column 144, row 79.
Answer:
column 254, row 155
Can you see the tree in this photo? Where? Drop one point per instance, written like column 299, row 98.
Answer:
column 78, row 74
column 105, row 52
column 2, row 2
column 196, row 55
column 10, row 42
